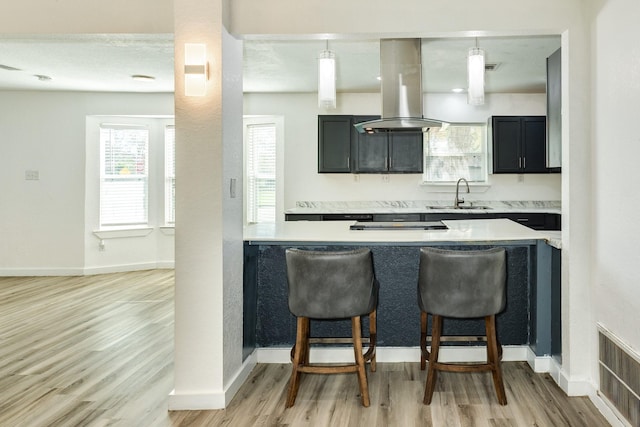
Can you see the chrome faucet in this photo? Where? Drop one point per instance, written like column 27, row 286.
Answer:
column 458, row 201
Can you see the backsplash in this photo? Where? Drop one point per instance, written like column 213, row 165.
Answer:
column 419, row 204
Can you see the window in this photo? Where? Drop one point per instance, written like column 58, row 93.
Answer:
column 261, row 172
column 124, row 173
column 170, row 175
column 457, row 151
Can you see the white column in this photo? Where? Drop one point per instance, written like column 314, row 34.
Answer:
column 208, row 252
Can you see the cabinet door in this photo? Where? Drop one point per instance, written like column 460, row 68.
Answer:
column 397, row 217
column 554, row 109
column 405, row 152
column 372, row 153
column 506, row 144
column 534, row 153
column 370, row 149
column 334, row 143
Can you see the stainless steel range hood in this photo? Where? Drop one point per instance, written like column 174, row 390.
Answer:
column 401, row 71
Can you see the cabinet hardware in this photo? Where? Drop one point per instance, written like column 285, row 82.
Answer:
column 519, row 162
column 524, row 163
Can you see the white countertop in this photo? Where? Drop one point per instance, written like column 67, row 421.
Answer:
column 475, row 230
column 423, row 206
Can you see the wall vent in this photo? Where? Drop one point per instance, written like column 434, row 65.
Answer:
column 619, row 376
column 491, row 67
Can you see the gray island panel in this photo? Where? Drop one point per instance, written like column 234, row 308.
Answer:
column 268, row 322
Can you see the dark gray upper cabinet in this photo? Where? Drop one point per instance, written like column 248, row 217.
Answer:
column 387, row 152
column 334, row 143
column 341, row 149
column 405, row 152
column 371, row 150
column 554, row 111
column 519, row 144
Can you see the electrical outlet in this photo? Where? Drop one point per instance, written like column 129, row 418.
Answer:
column 520, row 178
column 31, row 175
column 356, row 177
column 101, row 246
column 385, row 178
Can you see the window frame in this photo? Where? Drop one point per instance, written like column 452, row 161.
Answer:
column 105, row 177
column 483, row 179
column 279, row 124
column 169, row 177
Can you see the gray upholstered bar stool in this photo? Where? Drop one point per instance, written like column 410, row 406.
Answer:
column 461, row 284
column 331, row 285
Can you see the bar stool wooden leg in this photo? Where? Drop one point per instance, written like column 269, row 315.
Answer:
column 298, row 360
column 493, row 359
column 436, row 331
column 424, row 353
column 373, row 335
column 361, row 368
column 307, row 334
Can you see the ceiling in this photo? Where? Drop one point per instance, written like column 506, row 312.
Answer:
column 108, row 62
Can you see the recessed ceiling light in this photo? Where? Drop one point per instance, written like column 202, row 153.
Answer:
column 42, row 77
column 8, row 68
column 457, row 90
column 142, row 78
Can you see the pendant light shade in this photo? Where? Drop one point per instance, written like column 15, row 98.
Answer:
column 475, row 76
column 327, row 79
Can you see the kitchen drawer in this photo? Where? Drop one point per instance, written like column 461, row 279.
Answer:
column 347, row 217
column 536, row 221
column 397, row 217
column 303, row 217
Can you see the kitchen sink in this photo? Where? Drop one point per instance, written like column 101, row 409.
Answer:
column 480, row 207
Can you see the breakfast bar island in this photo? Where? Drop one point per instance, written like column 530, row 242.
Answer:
column 528, row 319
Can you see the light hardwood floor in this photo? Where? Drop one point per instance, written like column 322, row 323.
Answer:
column 98, row 351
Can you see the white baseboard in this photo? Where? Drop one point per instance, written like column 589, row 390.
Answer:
column 86, row 271
column 213, row 400
column 120, row 268
column 28, row 272
column 391, row 354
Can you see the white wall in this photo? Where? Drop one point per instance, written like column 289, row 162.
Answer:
column 616, row 150
column 90, row 17
column 303, row 183
column 42, row 223
column 131, row 252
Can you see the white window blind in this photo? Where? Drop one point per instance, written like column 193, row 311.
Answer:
column 458, row 151
column 170, row 175
column 261, row 172
column 124, row 173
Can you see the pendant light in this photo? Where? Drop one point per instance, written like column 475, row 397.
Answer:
column 327, row 79
column 475, row 76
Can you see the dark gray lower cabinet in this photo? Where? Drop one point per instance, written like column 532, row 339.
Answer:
column 535, row 220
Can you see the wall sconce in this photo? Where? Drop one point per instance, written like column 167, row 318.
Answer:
column 196, row 69
column 475, row 76
column 327, row 79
